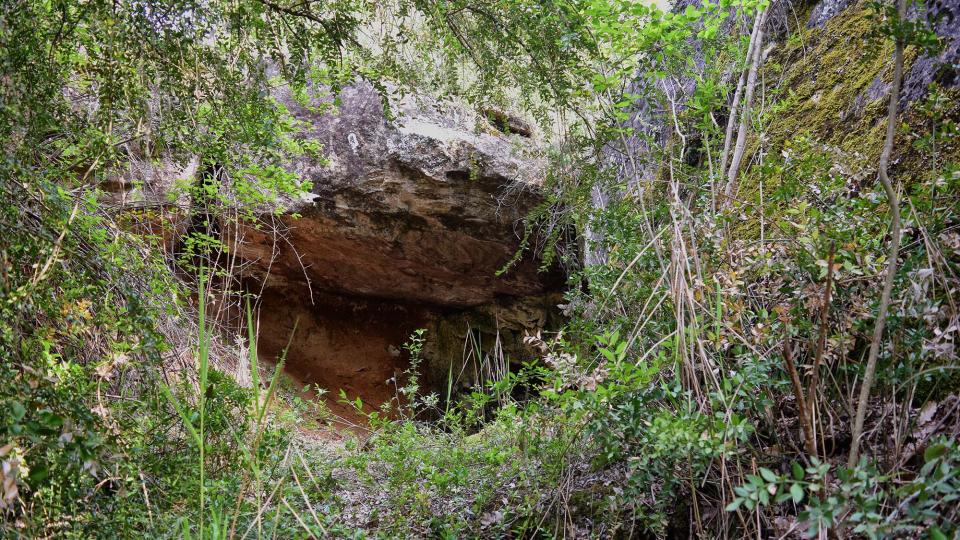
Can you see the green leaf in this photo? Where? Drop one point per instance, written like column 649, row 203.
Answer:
column 934, row 451
column 734, row 505
column 796, row 491
column 768, row 475
column 17, row 411
column 38, row 473
column 797, row 471
column 50, row 420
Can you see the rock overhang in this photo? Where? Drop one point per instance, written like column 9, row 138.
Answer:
column 406, row 226
column 424, row 208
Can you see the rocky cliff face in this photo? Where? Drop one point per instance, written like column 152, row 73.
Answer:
column 407, row 225
column 425, row 208
column 411, row 216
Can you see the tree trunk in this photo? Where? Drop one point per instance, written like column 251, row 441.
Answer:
column 747, row 103
column 868, row 375
column 735, row 105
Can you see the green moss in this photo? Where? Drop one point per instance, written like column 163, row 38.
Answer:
column 824, row 74
column 817, row 84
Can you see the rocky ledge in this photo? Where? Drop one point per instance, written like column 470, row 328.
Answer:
column 425, row 208
column 408, row 222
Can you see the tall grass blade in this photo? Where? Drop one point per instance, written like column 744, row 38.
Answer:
column 449, row 385
column 252, row 349
column 203, row 354
column 272, row 388
column 194, row 436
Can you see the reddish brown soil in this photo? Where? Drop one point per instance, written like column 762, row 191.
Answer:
column 349, row 344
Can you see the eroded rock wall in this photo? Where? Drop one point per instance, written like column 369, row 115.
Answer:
column 408, row 223
column 413, row 211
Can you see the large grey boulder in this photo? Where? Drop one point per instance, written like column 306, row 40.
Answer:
column 943, row 67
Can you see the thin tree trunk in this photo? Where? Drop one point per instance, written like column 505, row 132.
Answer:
column 821, row 345
column 747, row 103
column 802, row 411
column 894, row 245
column 735, row 105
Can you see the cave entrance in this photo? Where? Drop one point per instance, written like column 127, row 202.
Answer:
column 340, row 343
column 355, row 344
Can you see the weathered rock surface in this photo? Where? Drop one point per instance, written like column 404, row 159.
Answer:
column 408, row 222
column 825, row 10
column 425, row 208
column 943, row 67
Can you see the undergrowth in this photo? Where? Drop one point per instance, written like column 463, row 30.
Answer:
column 706, row 378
